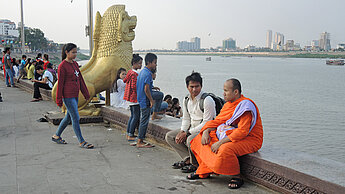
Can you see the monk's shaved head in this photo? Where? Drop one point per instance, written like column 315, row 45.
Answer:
column 236, row 85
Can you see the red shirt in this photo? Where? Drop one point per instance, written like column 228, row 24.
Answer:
column 45, row 65
column 70, row 82
column 131, row 86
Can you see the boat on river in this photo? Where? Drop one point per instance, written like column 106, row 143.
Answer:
column 335, row 62
column 208, row 58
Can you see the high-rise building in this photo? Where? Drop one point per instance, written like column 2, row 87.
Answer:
column 290, row 45
column 315, row 45
column 278, row 43
column 325, row 41
column 229, row 44
column 269, row 39
column 193, row 45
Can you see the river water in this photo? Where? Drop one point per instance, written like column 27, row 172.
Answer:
column 301, row 101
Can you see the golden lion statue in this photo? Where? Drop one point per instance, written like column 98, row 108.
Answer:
column 113, row 35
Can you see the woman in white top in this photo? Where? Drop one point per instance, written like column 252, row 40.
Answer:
column 118, row 90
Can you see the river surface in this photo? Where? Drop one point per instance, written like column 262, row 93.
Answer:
column 301, row 101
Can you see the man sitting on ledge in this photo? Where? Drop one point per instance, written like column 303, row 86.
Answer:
column 236, row 131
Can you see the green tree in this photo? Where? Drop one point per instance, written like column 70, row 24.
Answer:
column 35, row 39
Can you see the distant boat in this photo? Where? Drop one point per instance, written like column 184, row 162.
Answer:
column 335, row 62
column 208, row 58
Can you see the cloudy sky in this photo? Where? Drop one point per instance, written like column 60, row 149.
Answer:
column 161, row 23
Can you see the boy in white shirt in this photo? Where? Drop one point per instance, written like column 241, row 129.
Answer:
column 44, row 81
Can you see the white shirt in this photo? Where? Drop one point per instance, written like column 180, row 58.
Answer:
column 194, row 119
column 50, row 77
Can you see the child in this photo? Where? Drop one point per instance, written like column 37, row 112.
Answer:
column 176, row 108
column 70, row 83
column 31, row 69
column 118, row 90
column 45, row 60
column 22, row 72
column 130, row 96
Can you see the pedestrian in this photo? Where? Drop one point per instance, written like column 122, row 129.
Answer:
column 22, row 72
column 144, row 96
column 70, row 83
column 131, row 96
column 8, row 67
column 118, row 90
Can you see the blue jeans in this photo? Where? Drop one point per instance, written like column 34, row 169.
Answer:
column 72, row 114
column 9, row 73
column 144, row 122
column 133, row 120
column 158, row 98
column 164, row 106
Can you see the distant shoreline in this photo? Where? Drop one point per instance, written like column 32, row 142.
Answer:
column 256, row 54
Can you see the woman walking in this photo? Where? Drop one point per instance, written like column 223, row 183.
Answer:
column 69, row 84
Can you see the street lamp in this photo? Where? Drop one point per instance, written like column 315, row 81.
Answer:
column 22, row 27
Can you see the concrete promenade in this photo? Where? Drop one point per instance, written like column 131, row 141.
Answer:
column 31, row 163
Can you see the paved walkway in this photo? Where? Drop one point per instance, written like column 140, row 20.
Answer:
column 31, row 163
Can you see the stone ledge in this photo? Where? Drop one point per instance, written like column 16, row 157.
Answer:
column 281, row 170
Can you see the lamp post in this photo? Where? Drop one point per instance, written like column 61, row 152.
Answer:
column 90, row 25
column 22, row 27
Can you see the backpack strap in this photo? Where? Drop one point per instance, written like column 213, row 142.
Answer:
column 202, row 99
column 186, row 99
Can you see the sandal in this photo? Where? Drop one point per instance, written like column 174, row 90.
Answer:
column 35, row 100
column 238, row 182
column 131, row 138
column 86, row 145
column 59, row 140
column 195, row 176
column 188, row 168
column 145, row 145
column 178, row 165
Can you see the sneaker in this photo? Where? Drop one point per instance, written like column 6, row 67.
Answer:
column 8, row 85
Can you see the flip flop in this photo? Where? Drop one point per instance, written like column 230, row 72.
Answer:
column 35, row 100
column 145, row 145
column 195, row 176
column 59, row 140
column 238, row 182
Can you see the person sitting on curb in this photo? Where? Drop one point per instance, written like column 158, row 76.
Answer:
column 44, row 81
column 236, row 131
column 192, row 121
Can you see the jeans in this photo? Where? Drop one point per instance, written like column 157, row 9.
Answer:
column 164, row 106
column 72, row 114
column 133, row 120
column 9, row 73
column 158, row 98
column 144, row 122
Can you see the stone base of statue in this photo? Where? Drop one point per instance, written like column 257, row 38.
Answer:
column 56, row 117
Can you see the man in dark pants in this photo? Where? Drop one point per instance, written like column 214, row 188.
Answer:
column 43, row 81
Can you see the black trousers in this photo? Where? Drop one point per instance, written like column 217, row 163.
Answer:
column 37, row 87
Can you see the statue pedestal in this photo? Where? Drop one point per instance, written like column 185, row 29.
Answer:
column 56, row 118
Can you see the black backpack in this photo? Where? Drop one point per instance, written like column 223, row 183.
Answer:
column 217, row 100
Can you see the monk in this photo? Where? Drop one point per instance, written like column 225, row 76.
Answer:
column 236, row 131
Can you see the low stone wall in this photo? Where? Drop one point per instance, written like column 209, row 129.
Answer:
column 281, row 170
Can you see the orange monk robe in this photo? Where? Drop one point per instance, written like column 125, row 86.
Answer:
column 225, row 160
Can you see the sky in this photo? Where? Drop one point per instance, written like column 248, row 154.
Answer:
column 161, row 23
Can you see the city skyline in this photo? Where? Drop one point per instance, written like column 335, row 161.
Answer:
column 162, row 24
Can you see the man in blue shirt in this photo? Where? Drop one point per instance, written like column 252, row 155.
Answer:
column 144, row 96
column 22, row 72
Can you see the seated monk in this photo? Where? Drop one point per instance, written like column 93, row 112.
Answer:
column 236, row 131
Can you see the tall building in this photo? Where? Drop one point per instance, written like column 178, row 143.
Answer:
column 315, row 45
column 193, row 45
column 278, row 43
column 325, row 41
column 269, row 39
column 229, row 44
